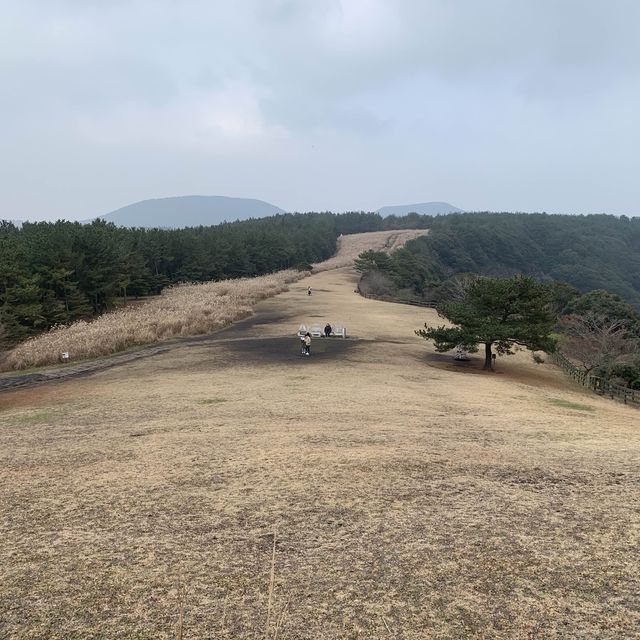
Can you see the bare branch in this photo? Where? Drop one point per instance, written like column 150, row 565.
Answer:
column 594, row 341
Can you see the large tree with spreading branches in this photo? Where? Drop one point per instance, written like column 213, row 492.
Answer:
column 496, row 312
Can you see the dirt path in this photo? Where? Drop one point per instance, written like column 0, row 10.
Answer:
column 409, row 501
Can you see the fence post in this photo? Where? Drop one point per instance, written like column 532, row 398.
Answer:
column 595, row 383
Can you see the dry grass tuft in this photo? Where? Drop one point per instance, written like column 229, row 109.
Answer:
column 272, row 577
column 184, row 310
column 181, row 601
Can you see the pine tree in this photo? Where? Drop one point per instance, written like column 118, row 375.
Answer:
column 496, row 311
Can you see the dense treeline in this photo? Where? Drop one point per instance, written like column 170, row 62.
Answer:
column 54, row 273
column 589, row 252
column 590, row 266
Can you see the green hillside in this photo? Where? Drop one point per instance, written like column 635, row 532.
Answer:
column 589, row 252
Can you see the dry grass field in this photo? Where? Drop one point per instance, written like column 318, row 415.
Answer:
column 410, row 498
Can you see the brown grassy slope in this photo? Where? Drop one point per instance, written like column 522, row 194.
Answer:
column 351, row 246
column 409, row 501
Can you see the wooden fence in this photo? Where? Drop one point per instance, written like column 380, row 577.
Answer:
column 597, row 384
column 415, row 303
column 569, row 368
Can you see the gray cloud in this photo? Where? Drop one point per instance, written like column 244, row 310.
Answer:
column 339, row 104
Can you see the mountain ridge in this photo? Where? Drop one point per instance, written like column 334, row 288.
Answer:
column 188, row 211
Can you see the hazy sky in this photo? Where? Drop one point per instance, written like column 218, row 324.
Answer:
column 320, row 104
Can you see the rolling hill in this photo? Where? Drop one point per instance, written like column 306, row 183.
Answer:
column 376, row 485
column 189, row 211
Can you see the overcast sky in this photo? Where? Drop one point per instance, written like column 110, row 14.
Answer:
column 517, row 105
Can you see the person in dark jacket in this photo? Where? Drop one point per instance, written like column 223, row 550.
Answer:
column 327, row 330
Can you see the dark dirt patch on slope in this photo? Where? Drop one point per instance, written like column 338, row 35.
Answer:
column 285, row 350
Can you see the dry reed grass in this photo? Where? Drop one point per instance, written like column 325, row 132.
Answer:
column 184, row 310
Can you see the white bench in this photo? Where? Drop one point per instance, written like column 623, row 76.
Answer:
column 316, row 331
column 339, row 330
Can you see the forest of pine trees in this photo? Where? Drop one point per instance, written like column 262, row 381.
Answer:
column 588, row 252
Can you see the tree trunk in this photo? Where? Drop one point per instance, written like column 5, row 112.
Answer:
column 488, row 361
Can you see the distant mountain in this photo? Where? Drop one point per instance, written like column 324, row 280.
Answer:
column 424, row 208
column 189, row 211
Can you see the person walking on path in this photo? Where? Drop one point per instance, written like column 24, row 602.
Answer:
column 308, row 291
column 327, row 330
column 307, row 344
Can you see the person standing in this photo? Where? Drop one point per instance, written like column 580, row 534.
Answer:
column 327, row 330
column 308, row 291
column 307, row 344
